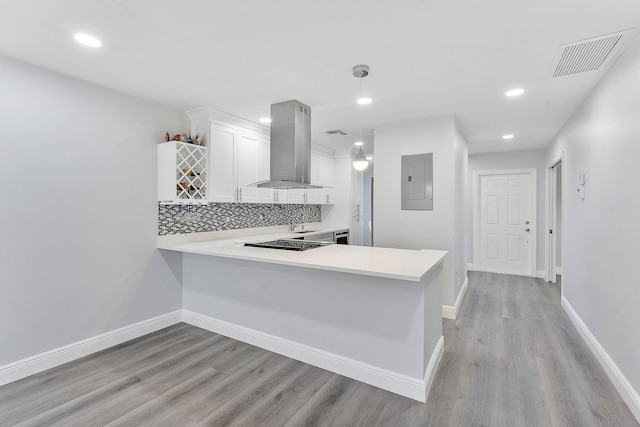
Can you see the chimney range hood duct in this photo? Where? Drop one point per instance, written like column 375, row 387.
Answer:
column 290, row 146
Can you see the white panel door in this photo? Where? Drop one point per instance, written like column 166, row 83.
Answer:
column 247, row 168
column 505, row 226
column 221, row 176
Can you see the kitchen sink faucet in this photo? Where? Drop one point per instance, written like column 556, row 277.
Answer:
column 292, row 228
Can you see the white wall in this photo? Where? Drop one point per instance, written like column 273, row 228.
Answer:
column 79, row 211
column 601, row 239
column 366, row 205
column 417, row 229
column 461, row 159
column 356, row 223
column 525, row 159
column 558, row 230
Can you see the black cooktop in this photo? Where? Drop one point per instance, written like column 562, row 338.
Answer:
column 289, row 245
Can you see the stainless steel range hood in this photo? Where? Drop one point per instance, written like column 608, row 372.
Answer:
column 290, row 146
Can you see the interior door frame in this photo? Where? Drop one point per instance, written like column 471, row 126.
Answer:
column 532, row 206
column 550, row 245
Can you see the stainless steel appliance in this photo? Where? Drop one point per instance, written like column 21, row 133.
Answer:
column 325, row 237
column 341, row 237
column 290, row 146
column 338, row 237
column 289, row 245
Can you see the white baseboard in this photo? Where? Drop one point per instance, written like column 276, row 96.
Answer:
column 626, row 390
column 414, row 388
column 540, row 274
column 449, row 312
column 50, row 359
column 432, row 368
column 559, row 271
column 469, row 266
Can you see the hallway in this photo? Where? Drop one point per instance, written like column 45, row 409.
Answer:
column 513, row 358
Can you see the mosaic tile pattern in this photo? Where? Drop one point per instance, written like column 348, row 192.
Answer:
column 181, row 219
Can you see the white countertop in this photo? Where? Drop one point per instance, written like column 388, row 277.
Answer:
column 402, row 264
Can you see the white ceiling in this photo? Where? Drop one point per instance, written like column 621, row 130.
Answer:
column 427, row 58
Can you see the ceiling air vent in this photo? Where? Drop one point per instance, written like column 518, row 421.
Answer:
column 336, row 132
column 587, row 55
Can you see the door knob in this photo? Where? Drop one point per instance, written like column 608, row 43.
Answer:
column 526, row 229
column 527, row 222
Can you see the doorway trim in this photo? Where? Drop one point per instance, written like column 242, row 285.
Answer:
column 550, row 213
column 533, row 172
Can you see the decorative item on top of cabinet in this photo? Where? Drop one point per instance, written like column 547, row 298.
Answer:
column 182, row 172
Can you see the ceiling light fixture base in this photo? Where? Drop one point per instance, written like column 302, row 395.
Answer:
column 360, row 71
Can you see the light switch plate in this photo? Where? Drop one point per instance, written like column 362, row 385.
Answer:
column 581, row 178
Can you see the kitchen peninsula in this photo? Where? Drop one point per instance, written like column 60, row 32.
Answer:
column 372, row 314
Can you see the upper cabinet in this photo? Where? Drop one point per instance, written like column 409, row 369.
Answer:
column 239, row 155
column 325, row 177
column 321, row 174
column 236, row 162
column 182, row 173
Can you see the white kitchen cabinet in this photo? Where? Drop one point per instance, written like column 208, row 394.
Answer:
column 182, row 173
column 322, row 171
column 273, row 195
column 298, row 195
column 267, row 195
column 312, row 195
column 247, row 168
column 237, row 160
column 326, row 172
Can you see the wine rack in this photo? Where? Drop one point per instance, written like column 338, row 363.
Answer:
column 182, row 173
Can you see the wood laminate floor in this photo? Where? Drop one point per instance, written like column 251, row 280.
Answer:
column 511, row 359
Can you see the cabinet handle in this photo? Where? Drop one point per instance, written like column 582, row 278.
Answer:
column 235, row 195
column 240, row 194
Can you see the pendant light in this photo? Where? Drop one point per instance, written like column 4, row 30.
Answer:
column 360, row 161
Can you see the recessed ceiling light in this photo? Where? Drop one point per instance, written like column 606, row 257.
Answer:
column 508, row 136
column 514, row 92
column 358, row 143
column 87, row 40
column 364, row 100
column 265, row 119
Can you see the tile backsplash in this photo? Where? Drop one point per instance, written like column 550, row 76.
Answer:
column 181, row 219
